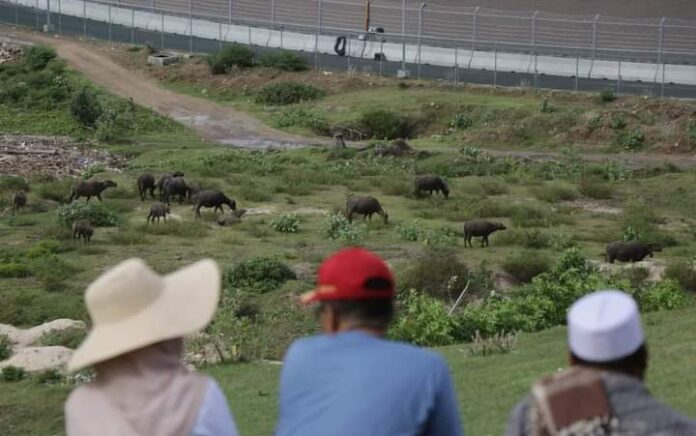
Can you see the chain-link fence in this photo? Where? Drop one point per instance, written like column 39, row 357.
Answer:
column 650, row 57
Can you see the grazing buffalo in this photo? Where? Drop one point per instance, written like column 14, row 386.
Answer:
column 19, row 200
column 429, row 184
column 82, row 229
column 213, row 199
column 166, row 176
column 480, row 228
column 631, row 251
column 158, row 210
column 90, row 188
column 146, row 183
column 365, row 206
column 175, row 186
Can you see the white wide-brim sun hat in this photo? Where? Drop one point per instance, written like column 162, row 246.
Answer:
column 131, row 307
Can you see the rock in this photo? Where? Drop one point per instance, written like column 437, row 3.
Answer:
column 303, row 271
column 34, row 359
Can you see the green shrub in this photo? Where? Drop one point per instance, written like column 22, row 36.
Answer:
column 592, row 187
column 70, row 338
column 338, row 227
column 14, row 270
column 530, row 216
column 51, row 270
column 412, row 231
column 45, row 247
column 283, row 93
column 284, row 60
column 98, row 214
column 524, row 266
column 554, row 193
column 385, row 124
column 617, row 122
column 663, row 295
column 85, row 107
column 684, row 273
column 632, row 141
column 461, row 121
column 49, row 377
column 302, row 117
column 442, row 237
column 13, row 374
column 5, row 348
column 258, row 274
column 236, row 55
column 288, row 223
column 537, row 239
column 38, row 57
column 607, row 95
column 691, row 130
column 422, row 320
column 13, row 183
column 436, row 272
column 546, row 107
column 57, row 190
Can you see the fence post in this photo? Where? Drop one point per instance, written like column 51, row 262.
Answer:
column 495, row 66
column 403, row 38
column 282, row 28
column 474, row 29
column 229, row 12
column 162, row 32
column 84, row 18
column 190, row 26
column 316, row 37
column 594, row 35
column 273, row 14
column 381, row 58
column 456, row 65
column 534, row 48
column 577, row 68
column 662, row 86
column 420, row 34
column 220, row 35
column 36, row 14
column 109, row 6
column 132, row 26
column 48, row 15
column 60, row 19
column 16, row 12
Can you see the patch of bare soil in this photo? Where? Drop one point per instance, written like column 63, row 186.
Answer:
column 594, row 207
column 53, row 156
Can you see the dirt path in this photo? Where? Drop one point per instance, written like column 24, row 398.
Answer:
column 211, row 120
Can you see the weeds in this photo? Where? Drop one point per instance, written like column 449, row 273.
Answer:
column 499, row 343
column 13, row 374
column 284, row 60
column 234, row 55
column 338, row 227
column 461, row 121
column 287, row 223
column 70, row 338
column 436, row 272
column 684, row 273
column 524, row 266
column 384, row 124
column 631, row 141
column 607, row 95
column 5, row 348
column 595, row 188
column 258, row 275
column 284, row 93
column 97, row 214
column 554, row 193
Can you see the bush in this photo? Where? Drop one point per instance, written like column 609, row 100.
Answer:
column 422, row 320
column 461, row 122
column 537, row 239
column 338, row 227
column 38, row 57
column 288, row 223
column 632, row 141
column 85, row 107
column 410, row 231
column 595, row 188
column 607, row 95
column 530, row 216
column 43, row 248
column 524, row 266
column 5, row 348
column 546, row 107
column 13, row 183
column 57, row 190
column 236, row 55
column 663, row 295
column 684, row 273
column 70, row 338
column 13, row 374
column 691, row 130
column 302, row 117
column 99, row 215
column 258, row 274
column 51, row 270
column 283, row 93
column 49, row 377
column 14, row 270
column 384, row 124
column 284, row 60
column 436, row 272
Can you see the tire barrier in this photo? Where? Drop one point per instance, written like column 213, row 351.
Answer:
column 340, row 46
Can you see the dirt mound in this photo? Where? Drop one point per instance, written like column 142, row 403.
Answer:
column 23, row 155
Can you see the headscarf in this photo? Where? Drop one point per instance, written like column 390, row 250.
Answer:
column 147, row 392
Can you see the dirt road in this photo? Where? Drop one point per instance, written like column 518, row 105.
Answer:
column 211, row 120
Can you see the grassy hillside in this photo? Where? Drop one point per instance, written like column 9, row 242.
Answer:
column 487, row 387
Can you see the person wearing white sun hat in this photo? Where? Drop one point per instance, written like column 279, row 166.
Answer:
column 602, row 393
column 135, row 346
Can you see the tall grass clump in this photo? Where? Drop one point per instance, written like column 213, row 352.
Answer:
column 287, row 223
column 525, row 265
column 233, row 55
column 385, row 124
column 284, row 60
column 85, row 107
column 595, row 188
column 337, row 227
column 284, row 93
column 436, row 272
column 258, row 275
column 683, row 272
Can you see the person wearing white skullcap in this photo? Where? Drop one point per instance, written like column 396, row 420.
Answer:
column 602, row 393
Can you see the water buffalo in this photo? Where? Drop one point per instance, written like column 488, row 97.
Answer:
column 89, row 188
column 213, row 199
column 146, row 183
column 365, row 206
column 174, row 186
column 430, row 184
column 480, row 228
column 166, row 176
column 82, row 229
column 631, row 251
column 19, row 200
column 158, row 210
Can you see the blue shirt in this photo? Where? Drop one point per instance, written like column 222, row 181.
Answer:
column 214, row 417
column 354, row 384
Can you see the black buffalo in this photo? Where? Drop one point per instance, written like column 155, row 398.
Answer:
column 480, row 228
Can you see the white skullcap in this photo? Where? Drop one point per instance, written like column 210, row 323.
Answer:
column 604, row 326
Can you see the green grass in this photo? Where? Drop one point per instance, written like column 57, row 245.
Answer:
column 487, row 387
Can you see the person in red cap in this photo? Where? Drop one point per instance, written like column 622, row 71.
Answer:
column 351, row 380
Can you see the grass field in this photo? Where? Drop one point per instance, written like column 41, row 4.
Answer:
column 487, row 387
column 547, row 206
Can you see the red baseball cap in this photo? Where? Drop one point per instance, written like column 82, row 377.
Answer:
column 346, row 276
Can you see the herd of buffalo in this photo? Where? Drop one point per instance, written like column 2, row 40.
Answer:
column 174, row 185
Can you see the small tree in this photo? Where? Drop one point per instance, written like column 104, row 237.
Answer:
column 85, row 107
